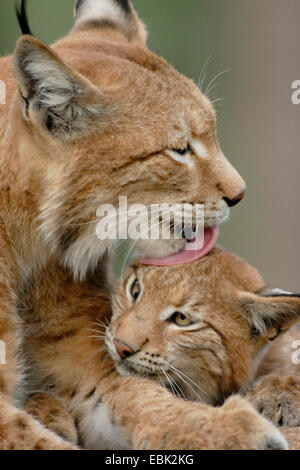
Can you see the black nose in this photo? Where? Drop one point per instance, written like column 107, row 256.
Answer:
column 123, row 349
column 233, row 202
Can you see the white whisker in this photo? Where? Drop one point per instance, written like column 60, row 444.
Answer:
column 203, row 73
column 213, row 80
column 182, row 375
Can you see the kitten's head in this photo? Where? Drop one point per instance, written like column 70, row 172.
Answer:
column 201, row 328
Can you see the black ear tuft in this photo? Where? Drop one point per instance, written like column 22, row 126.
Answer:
column 22, row 18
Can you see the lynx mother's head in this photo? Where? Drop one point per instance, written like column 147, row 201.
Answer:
column 100, row 116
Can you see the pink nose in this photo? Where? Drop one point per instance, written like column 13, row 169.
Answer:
column 123, row 349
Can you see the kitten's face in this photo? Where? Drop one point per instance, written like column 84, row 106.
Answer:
column 191, row 327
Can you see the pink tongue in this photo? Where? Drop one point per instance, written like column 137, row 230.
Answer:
column 193, row 250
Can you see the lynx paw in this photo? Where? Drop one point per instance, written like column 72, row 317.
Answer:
column 278, row 399
column 234, row 426
column 242, row 428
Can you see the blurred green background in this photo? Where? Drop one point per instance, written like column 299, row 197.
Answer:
column 258, row 124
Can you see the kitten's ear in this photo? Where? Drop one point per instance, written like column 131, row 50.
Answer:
column 271, row 311
column 55, row 96
column 116, row 15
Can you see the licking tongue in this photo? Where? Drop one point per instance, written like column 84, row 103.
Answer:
column 194, row 250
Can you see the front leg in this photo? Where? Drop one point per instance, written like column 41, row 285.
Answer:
column 139, row 414
column 278, row 399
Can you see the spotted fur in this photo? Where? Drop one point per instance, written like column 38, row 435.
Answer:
column 116, row 402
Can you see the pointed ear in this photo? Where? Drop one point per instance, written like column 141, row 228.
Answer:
column 270, row 312
column 59, row 99
column 116, row 15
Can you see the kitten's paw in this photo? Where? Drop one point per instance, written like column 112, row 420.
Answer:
column 244, row 429
column 278, row 399
column 234, row 426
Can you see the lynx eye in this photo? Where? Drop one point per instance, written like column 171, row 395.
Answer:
column 135, row 290
column 184, row 151
column 181, row 320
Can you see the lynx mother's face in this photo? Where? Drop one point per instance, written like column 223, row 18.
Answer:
column 107, row 118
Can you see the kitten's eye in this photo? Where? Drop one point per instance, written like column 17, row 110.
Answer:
column 180, row 319
column 135, row 290
column 184, row 151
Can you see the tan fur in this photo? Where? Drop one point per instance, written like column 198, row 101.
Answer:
column 232, row 324
column 229, row 346
column 67, row 357
column 85, row 121
column 292, row 435
column 19, row 431
column 52, row 412
column 278, row 399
